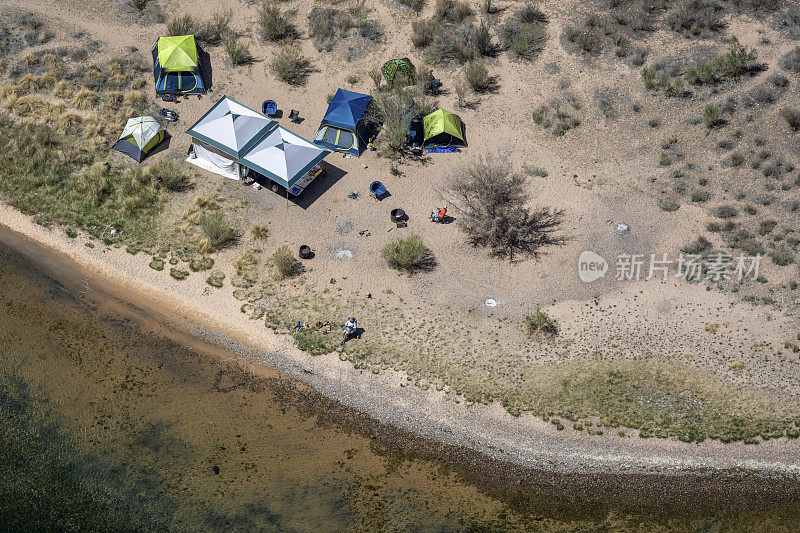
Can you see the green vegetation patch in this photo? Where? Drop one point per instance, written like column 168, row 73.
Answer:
column 104, row 200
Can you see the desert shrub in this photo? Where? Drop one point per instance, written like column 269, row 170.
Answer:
column 604, row 100
column 259, row 233
column 696, row 17
column 491, row 199
column 169, row 175
column 453, row 11
column 409, row 255
column 289, row 66
column 482, row 41
column 212, row 31
column 392, row 109
column 725, row 211
column 539, row 324
column 711, row 115
column 184, row 25
column 791, row 61
column 200, row 263
column 781, row 258
column 792, row 116
column 738, row 61
column 415, row 5
column 272, row 25
column 649, row 78
column 326, row 26
column 178, row 274
column 422, row 32
column 700, row 196
column 556, row 118
column 698, row 246
column 669, row 203
column 452, row 43
column 786, row 19
column 216, row 278
column 766, row 226
column 477, row 77
column 238, row 52
column 284, row 264
column 69, row 122
column 524, row 33
column 585, row 37
column 217, row 230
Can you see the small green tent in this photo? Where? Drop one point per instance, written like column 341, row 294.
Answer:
column 140, row 136
column 443, row 127
column 178, row 66
column 400, row 72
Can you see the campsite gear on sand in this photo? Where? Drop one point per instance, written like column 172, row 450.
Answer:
column 169, row 98
column 443, row 150
column 399, row 217
column 169, row 114
column 344, row 126
column 377, row 190
column 443, row 128
column 140, row 136
column 178, row 66
column 399, row 72
column 349, row 328
column 324, row 327
column 269, row 108
column 438, row 214
column 305, row 252
column 294, row 116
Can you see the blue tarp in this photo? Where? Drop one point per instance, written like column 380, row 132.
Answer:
column 346, row 109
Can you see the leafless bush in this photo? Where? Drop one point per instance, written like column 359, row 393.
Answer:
column 491, row 201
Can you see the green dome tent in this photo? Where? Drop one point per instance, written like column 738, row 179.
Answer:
column 177, row 66
column 140, row 136
column 443, row 127
column 400, row 72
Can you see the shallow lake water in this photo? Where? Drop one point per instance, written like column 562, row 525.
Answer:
column 105, row 424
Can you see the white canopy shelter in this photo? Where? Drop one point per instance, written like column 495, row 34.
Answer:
column 284, row 157
column 224, row 134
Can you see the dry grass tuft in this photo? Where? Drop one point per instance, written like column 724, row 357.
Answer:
column 85, row 99
column 69, row 121
column 134, row 98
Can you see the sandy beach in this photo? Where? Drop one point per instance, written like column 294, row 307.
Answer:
column 491, row 430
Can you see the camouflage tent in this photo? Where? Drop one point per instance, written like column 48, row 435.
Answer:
column 399, row 72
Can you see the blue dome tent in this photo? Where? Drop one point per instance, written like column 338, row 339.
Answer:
column 343, row 127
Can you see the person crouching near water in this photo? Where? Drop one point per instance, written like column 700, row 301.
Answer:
column 348, row 329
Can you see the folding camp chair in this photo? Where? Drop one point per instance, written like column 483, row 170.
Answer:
column 377, row 190
column 294, row 116
column 269, row 107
